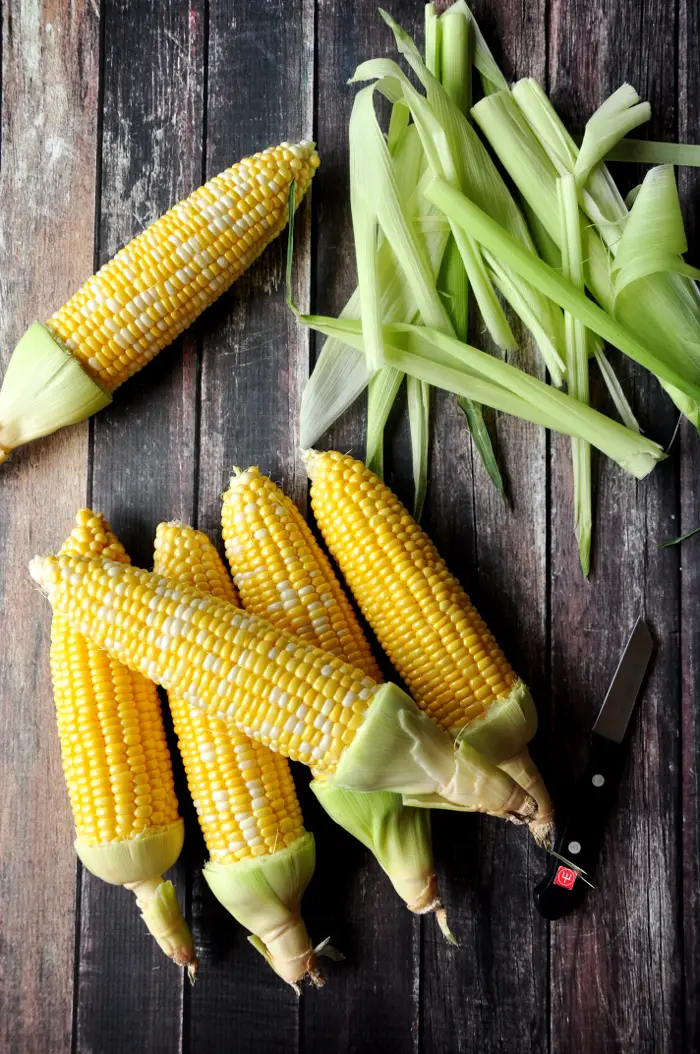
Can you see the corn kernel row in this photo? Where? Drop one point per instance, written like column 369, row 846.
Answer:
column 157, row 285
column 243, row 793
column 420, row 613
column 305, row 703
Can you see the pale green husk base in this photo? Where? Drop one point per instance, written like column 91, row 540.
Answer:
column 502, row 735
column 397, row 836
column 506, row 728
column 137, row 864
column 134, row 859
column 398, row 748
column 45, row 388
column 264, row 894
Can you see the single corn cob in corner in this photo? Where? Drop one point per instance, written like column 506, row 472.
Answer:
column 299, row 700
column 425, row 621
column 154, row 288
column 117, row 764
column 283, row 576
column 261, row 858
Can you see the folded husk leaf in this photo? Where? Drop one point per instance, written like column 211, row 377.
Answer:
column 397, row 836
column 137, row 863
column 264, row 894
column 45, row 388
column 398, row 748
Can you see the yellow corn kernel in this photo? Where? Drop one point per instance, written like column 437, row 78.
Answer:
column 273, row 687
column 115, row 756
column 244, row 793
column 281, row 573
column 420, row 613
column 156, row 286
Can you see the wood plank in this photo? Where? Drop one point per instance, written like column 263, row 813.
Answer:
column 47, row 193
column 260, row 92
column 689, row 556
column 491, row 994
column 376, row 992
column 616, row 963
column 143, row 470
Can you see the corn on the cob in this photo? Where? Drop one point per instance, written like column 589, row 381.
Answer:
column 261, row 858
column 293, row 697
column 117, row 765
column 425, row 621
column 151, row 291
column 283, row 576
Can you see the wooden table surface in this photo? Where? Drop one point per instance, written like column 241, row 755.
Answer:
column 111, row 111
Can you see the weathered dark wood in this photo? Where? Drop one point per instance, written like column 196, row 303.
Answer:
column 689, row 636
column 260, row 91
column 50, row 68
column 143, row 469
column 187, row 88
column 616, row 966
column 375, row 1002
column 491, row 994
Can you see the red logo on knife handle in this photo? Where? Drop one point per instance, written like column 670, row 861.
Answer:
column 565, row 877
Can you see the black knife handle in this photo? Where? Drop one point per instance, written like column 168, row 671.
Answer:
column 561, row 890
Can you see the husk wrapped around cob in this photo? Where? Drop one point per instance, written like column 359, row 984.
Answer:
column 295, row 698
column 117, row 764
column 425, row 621
column 153, row 289
column 283, row 576
column 261, row 858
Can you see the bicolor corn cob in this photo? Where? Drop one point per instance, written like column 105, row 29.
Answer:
column 283, row 576
column 294, row 697
column 244, row 793
column 151, row 291
column 116, row 760
column 424, row 619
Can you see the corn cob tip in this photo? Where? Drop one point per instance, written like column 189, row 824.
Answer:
column 44, row 571
column 4, row 454
column 308, row 456
column 241, row 476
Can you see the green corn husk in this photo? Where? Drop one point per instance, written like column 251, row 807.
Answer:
column 646, row 151
column 398, row 748
column 534, row 146
column 44, row 389
column 137, row 864
column 577, row 364
column 447, row 363
column 455, row 75
column 397, row 836
column 264, row 894
column 681, row 371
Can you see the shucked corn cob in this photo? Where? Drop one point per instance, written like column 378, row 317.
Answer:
column 261, row 858
column 117, row 765
column 148, row 294
column 425, row 621
column 283, row 576
column 293, row 697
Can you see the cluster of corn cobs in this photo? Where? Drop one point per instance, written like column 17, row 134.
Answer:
column 289, row 674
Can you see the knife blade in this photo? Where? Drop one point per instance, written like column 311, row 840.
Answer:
column 576, row 851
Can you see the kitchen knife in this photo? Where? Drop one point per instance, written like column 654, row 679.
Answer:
column 563, row 888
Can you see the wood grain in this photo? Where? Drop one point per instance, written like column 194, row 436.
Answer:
column 376, row 995
column 50, row 70
column 485, row 996
column 254, row 362
column 689, row 556
column 133, row 104
column 616, row 963
column 129, row 995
